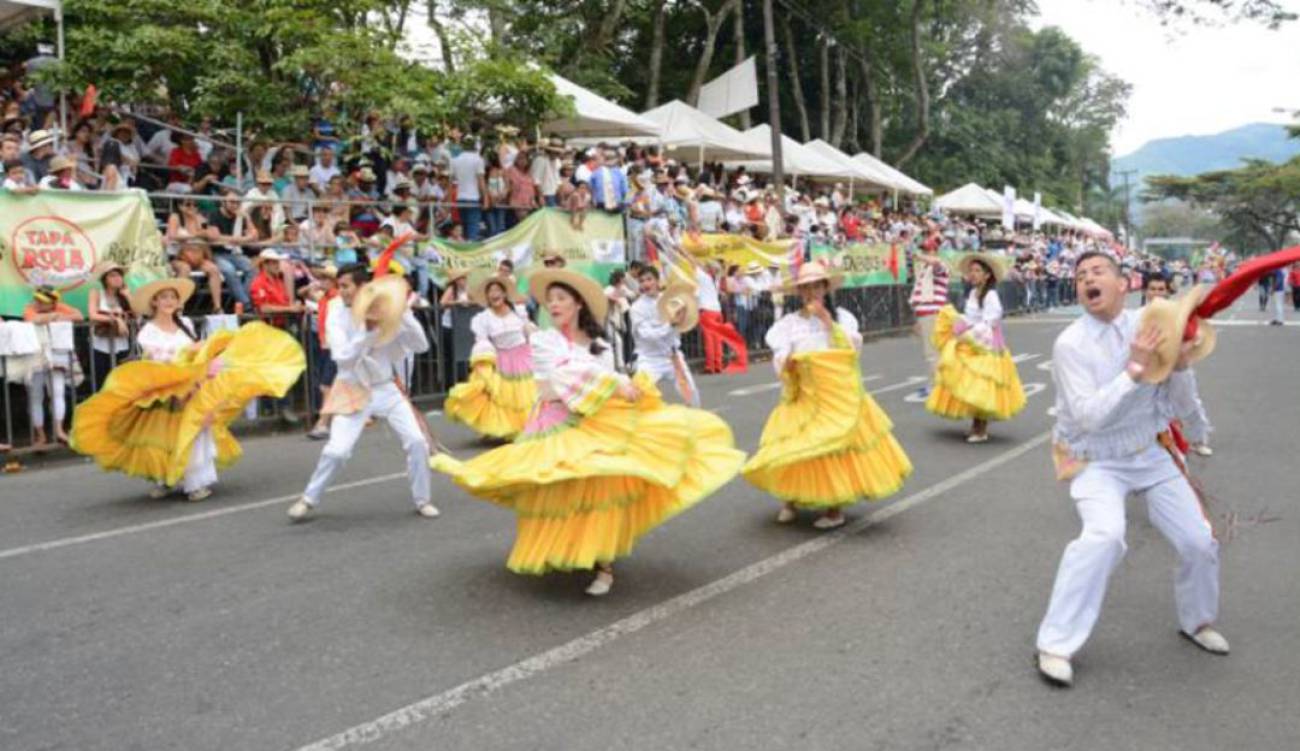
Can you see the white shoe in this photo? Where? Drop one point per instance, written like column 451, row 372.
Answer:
column 300, row 510
column 786, row 515
column 601, row 585
column 1208, row 639
column 1055, row 670
column 829, row 522
column 159, row 492
column 427, row 510
column 198, row 495
column 1201, row 449
column 977, row 438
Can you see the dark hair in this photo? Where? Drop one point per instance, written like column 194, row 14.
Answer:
column 507, row 263
column 123, row 300
column 358, row 272
column 616, row 276
column 183, row 326
column 1098, row 254
column 990, row 281
column 1157, row 277
column 647, row 271
column 586, row 321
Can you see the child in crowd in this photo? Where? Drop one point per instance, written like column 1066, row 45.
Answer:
column 577, row 204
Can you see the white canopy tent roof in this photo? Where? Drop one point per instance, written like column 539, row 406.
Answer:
column 1024, row 210
column 693, row 135
column 969, row 199
column 595, row 116
column 14, row 12
column 903, row 183
column 797, row 159
column 862, row 174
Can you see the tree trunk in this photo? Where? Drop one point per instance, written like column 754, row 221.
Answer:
column 796, row 87
column 739, row 30
column 876, row 128
column 922, row 91
column 497, row 23
column 444, row 42
column 851, row 136
column 656, row 53
column 841, row 99
column 713, row 25
column 824, row 68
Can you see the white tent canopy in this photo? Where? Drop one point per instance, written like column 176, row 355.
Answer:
column 798, row 160
column 969, row 199
column 693, row 135
column 902, row 182
column 862, row 175
column 595, row 116
column 14, row 12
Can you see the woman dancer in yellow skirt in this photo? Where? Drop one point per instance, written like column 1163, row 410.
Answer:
column 976, row 378
column 602, row 459
column 166, row 418
column 827, row 444
column 500, row 392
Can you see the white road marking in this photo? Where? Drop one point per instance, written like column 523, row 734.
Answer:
column 910, row 382
column 1033, row 387
column 433, row 706
column 760, row 388
column 1024, row 357
column 65, row 542
column 1044, row 365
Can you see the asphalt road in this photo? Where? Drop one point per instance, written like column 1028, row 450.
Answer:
column 127, row 623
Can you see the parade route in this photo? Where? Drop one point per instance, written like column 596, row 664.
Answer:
column 133, row 623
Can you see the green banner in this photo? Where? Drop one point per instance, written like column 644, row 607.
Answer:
column 56, row 237
column 865, row 265
column 595, row 248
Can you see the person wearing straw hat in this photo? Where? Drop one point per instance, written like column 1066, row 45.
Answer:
column 371, row 331
column 52, row 366
column 1119, row 381
column 1196, row 428
column 500, row 392
column 63, row 174
column 827, row 444
column 109, row 308
column 602, row 460
column 659, row 318
column 166, row 418
column 976, row 378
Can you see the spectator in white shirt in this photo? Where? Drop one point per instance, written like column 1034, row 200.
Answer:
column 324, row 169
column 469, row 172
column 63, row 174
column 297, row 194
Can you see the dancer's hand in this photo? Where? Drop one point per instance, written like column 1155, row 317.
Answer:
column 1142, row 351
column 629, row 392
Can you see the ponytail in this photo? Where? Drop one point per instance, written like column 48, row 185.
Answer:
column 179, row 320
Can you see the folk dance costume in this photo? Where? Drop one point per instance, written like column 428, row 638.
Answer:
column 975, row 377
column 827, row 444
column 166, row 418
column 1111, row 440
column 715, row 331
column 500, row 392
column 593, row 472
column 369, row 363
column 659, row 341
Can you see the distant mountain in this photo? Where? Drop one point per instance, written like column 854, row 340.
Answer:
column 1192, row 155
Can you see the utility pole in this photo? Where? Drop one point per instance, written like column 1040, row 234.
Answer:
column 773, row 98
column 1128, row 225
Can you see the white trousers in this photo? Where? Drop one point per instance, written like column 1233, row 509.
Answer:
column 53, row 382
column 1099, row 492
column 931, row 355
column 345, row 430
column 659, row 368
column 1196, row 427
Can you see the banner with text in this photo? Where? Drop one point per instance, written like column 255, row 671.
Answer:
column 56, row 237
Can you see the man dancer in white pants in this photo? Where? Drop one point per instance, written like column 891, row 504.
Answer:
column 1106, row 444
column 658, row 345
column 366, row 379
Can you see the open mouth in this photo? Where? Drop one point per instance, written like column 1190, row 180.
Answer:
column 1092, row 294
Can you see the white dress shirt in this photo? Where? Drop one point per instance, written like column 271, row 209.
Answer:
column 1101, row 412
column 360, row 358
column 707, row 292
column 655, row 340
column 493, row 333
column 797, row 332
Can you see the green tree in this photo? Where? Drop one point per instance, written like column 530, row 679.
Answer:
column 1258, row 203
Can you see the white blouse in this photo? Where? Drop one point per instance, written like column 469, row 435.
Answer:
column 162, row 346
column 797, row 332
column 566, row 372
column 984, row 319
column 493, row 332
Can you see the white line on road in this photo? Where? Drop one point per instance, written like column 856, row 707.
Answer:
column 485, row 685
column 912, row 381
column 41, row 547
column 760, row 388
column 1025, row 357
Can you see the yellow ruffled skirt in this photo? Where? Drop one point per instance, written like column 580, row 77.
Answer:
column 587, row 488
column 147, row 415
column 972, row 381
column 827, row 444
column 491, row 402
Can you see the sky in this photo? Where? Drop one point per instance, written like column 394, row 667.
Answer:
column 1189, row 81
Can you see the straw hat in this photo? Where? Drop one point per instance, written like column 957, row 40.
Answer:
column 555, row 144
column 60, row 163
column 299, row 170
column 593, row 296
column 813, row 272
column 551, row 254
column 264, row 178
column 478, row 288
column 39, row 138
column 679, row 297
column 1171, row 317
column 753, row 267
column 103, row 267
column 454, row 274
column 998, row 264
column 684, row 192
column 142, row 297
column 388, row 293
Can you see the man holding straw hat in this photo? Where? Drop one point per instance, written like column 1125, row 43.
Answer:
column 659, row 318
column 1119, row 381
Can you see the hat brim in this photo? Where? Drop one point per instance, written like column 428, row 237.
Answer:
column 1170, row 317
column 478, row 289
column 833, row 278
column 592, row 294
column 142, row 296
column 691, row 303
column 394, row 291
